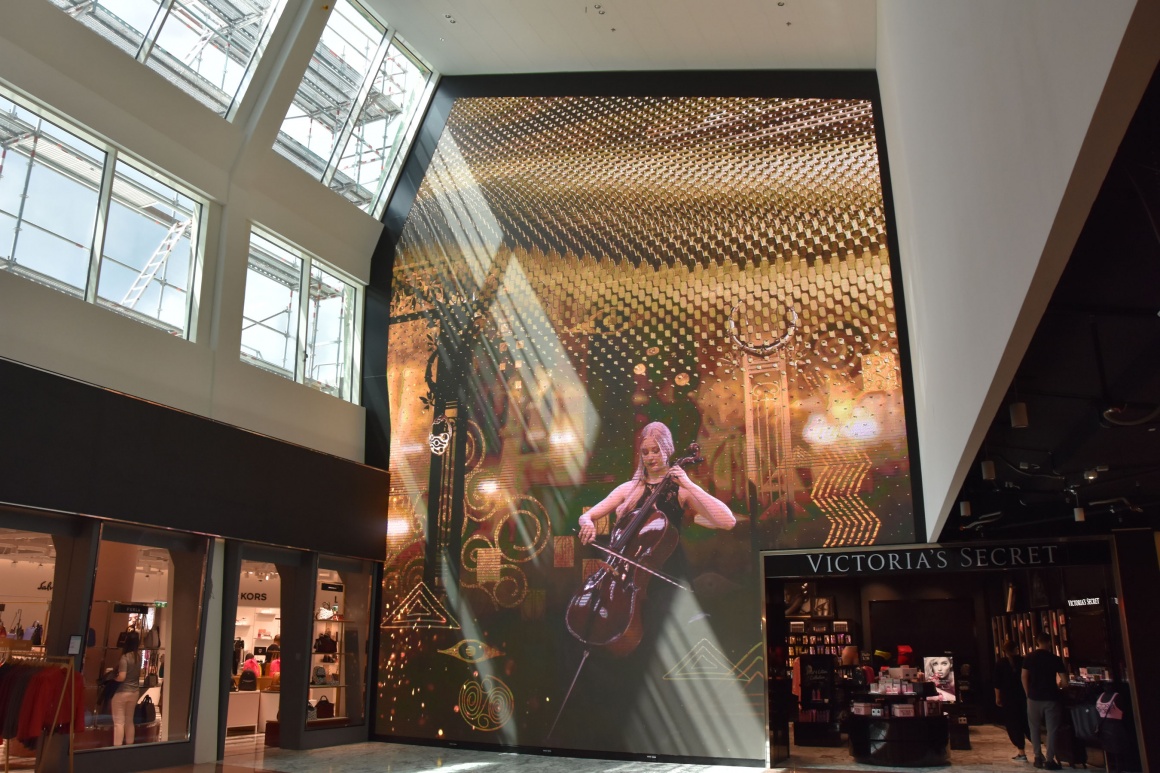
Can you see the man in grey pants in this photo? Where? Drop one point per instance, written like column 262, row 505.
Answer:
column 1041, row 674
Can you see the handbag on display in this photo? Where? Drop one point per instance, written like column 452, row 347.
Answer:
column 324, row 709
column 311, row 712
column 325, row 612
column 152, row 638
column 17, row 630
column 145, row 713
column 150, row 680
column 325, row 644
column 318, row 676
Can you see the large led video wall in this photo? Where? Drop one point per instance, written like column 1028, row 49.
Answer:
column 584, row 288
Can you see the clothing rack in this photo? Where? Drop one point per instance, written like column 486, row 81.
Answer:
column 66, row 662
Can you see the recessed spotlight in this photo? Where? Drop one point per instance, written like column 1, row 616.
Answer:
column 597, row 6
column 780, row 3
column 453, row 21
column 446, row 16
column 600, row 12
column 788, row 23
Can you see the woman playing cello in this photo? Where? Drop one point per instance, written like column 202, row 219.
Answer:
column 597, row 615
column 656, row 446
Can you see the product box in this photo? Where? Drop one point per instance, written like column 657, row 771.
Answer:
column 877, row 710
column 902, row 710
column 906, row 672
column 862, row 709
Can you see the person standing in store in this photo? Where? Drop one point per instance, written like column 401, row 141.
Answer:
column 1041, row 674
column 1010, row 697
column 124, row 700
column 252, row 664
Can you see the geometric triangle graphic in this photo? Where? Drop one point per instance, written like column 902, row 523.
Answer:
column 420, row 609
column 704, row 661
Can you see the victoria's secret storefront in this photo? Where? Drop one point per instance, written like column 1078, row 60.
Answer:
column 935, row 617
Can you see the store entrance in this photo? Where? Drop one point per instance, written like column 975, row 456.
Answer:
column 255, row 679
column 912, row 657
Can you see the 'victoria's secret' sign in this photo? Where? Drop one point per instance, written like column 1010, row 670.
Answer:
column 937, row 558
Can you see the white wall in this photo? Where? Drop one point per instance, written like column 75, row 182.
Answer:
column 1000, row 123
column 20, row 589
column 56, row 61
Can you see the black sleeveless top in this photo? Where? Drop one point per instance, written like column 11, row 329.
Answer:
column 669, row 505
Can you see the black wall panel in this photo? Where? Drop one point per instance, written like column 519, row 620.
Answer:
column 70, row 446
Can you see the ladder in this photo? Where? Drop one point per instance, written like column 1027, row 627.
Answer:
column 156, row 263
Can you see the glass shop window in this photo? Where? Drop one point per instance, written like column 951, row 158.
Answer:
column 27, row 568
column 338, row 659
column 141, row 648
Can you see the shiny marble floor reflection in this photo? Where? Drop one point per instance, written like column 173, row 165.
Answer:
column 990, row 753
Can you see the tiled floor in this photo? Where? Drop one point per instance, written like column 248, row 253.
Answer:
column 990, row 753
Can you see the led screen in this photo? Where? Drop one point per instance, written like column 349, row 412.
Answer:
column 584, row 285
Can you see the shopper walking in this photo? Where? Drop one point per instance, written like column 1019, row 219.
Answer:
column 1041, row 674
column 1011, row 699
column 124, row 700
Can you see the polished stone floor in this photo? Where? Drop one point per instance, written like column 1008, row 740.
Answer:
column 990, row 753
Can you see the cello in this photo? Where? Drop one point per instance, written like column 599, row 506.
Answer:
column 605, row 613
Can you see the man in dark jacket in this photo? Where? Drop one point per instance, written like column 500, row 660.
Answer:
column 1041, row 674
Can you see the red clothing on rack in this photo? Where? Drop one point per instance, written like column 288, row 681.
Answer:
column 41, row 698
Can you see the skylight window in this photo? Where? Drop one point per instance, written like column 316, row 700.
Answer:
column 356, row 108
column 208, row 49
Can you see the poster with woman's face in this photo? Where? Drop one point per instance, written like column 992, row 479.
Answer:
column 940, row 672
column 573, row 272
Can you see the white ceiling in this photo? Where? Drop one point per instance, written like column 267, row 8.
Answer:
column 532, row 36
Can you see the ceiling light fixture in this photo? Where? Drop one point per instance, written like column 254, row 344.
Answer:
column 987, row 468
column 1019, row 415
column 1080, row 515
column 965, row 509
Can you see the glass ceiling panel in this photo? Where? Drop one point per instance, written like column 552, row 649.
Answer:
column 369, row 159
column 124, row 22
column 207, row 48
column 328, row 93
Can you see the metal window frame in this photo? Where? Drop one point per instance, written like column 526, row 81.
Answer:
column 113, row 154
column 352, row 338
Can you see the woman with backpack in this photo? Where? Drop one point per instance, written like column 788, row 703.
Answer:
column 124, row 700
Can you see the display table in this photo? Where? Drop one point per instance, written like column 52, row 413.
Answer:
column 268, row 703
column 899, row 741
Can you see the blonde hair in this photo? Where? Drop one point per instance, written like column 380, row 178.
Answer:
column 658, row 432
